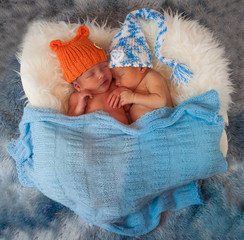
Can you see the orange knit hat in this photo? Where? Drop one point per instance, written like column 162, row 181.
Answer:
column 78, row 54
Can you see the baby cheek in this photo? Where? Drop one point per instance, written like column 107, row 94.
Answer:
column 109, row 74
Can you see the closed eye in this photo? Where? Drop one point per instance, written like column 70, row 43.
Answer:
column 90, row 75
column 120, row 76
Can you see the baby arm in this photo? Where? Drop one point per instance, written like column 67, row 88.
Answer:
column 156, row 97
column 78, row 102
column 114, row 97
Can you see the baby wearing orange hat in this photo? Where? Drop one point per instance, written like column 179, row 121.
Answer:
column 84, row 64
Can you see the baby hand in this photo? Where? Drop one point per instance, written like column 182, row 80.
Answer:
column 83, row 97
column 78, row 102
column 126, row 97
column 114, row 97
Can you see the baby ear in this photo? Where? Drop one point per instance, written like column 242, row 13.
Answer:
column 76, row 86
column 142, row 69
column 55, row 44
column 82, row 31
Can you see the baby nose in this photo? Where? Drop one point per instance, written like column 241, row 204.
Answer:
column 101, row 74
column 117, row 83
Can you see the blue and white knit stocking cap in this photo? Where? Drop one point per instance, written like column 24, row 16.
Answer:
column 129, row 46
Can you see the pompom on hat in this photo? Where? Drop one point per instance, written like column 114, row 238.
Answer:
column 129, row 46
column 78, row 54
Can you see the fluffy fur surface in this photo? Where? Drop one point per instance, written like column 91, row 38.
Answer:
column 27, row 214
column 186, row 41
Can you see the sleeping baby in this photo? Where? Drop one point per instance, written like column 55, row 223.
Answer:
column 84, row 64
column 131, row 62
column 142, row 87
column 130, row 58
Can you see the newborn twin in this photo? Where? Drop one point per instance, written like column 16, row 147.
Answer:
column 137, row 88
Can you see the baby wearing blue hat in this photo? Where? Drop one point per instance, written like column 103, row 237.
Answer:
column 130, row 61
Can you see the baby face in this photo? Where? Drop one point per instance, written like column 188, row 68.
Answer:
column 96, row 79
column 128, row 77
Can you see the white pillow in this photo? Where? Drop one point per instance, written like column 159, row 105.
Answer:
column 186, row 41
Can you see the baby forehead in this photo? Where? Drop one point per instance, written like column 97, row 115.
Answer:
column 97, row 66
column 120, row 70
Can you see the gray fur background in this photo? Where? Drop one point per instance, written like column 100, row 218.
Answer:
column 27, row 214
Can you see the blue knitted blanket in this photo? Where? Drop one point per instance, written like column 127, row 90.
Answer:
column 116, row 176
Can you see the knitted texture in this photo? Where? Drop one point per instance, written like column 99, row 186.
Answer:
column 116, row 176
column 78, row 54
column 129, row 46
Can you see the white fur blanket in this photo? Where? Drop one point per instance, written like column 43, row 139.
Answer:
column 186, row 41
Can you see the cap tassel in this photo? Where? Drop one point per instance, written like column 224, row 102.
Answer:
column 181, row 73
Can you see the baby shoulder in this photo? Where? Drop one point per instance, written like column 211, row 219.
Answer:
column 154, row 77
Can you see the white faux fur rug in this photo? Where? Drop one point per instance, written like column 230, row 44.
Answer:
column 186, row 41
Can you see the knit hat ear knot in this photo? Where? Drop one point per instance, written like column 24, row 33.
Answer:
column 82, row 31
column 55, row 45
